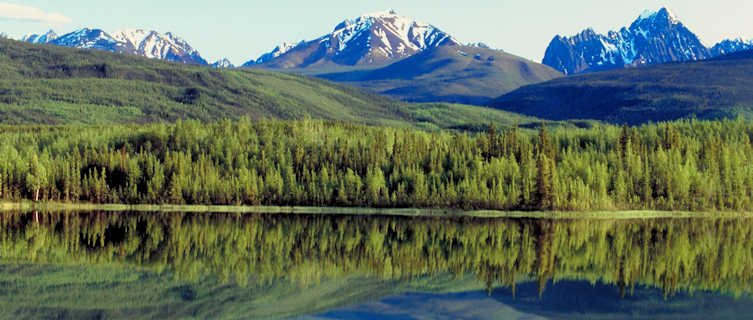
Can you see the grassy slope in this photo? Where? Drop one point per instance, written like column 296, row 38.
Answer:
column 450, row 73
column 707, row 89
column 47, row 84
column 42, row 84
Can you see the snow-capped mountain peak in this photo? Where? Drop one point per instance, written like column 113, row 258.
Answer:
column 223, row 63
column 662, row 18
column 731, row 46
column 663, row 12
column 139, row 42
column 654, row 37
column 152, row 44
column 40, row 38
column 372, row 38
column 277, row 51
column 87, row 38
column 132, row 36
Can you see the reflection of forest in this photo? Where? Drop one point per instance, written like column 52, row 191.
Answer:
column 672, row 254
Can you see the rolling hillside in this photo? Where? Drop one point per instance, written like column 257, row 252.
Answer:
column 458, row 74
column 45, row 84
column 712, row 89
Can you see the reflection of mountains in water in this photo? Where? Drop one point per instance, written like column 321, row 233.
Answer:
column 671, row 254
column 562, row 300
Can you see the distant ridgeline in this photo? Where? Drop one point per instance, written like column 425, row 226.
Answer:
column 690, row 165
column 677, row 255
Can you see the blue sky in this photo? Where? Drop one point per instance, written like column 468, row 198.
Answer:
column 241, row 30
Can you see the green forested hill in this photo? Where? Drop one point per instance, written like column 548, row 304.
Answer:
column 459, row 74
column 47, row 84
column 42, row 84
column 710, row 89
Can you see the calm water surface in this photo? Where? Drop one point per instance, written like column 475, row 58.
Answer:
column 259, row 266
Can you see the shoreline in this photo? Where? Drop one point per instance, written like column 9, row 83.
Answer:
column 405, row 212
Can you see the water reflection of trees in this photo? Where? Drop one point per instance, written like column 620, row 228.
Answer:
column 673, row 254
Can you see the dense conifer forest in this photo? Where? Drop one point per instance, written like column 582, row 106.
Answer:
column 688, row 165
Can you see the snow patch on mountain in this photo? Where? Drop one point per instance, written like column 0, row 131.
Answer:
column 731, row 46
column 40, row 38
column 277, row 51
column 152, row 44
column 370, row 38
column 654, row 37
column 223, row 63
column 139, row 42
column 86, row 38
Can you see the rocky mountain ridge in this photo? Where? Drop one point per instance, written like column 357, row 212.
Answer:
column 653, row 38
column 139, row 42
column 371, row 39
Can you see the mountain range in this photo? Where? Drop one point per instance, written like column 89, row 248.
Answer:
column 414, row 61
column 372, row 39
column 150, row 44
column 382, row 51
column 654, row 37
column 721, row 87
column 401, row 57
column 44, row 84
column 381, row 38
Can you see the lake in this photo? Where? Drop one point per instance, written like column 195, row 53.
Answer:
column 145, row 265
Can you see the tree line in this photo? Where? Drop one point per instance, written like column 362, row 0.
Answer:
column 685, row 165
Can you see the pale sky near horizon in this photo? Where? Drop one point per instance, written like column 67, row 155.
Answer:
column 243, row 30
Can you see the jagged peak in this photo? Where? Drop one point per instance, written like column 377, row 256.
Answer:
column 45, row 37
column 279, row 50
column 631, row 46
column 223, row 63
column 286, row 46
column 369, row 18
column 741, row 40
column 132, row 36
column 378, row 36
column 174, row 36
column 84, row 29
column 662, row 13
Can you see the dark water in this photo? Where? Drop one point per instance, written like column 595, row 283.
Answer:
column 249, row 266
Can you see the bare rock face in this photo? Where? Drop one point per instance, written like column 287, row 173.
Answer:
column 653, row 38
